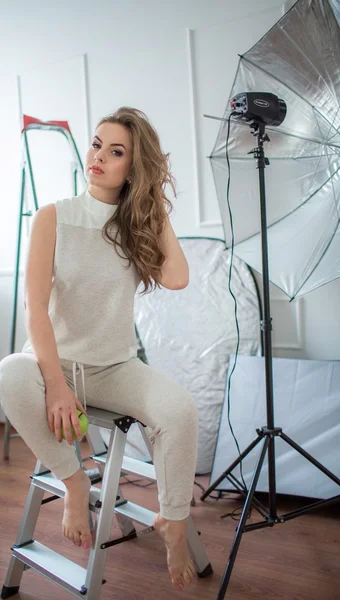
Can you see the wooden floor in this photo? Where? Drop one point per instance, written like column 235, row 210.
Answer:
column 299, row 560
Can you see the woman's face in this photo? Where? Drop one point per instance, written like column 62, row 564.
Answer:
column 110, row 151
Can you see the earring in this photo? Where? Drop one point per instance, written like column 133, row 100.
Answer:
column 128, row 181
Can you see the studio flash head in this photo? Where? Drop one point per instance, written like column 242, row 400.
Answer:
column 260, row 107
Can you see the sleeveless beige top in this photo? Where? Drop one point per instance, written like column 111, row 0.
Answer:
column 92, row 299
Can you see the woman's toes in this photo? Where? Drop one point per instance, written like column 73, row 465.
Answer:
column 85, row 541
column 178, row 584
column 192, row 569
column 187, row 577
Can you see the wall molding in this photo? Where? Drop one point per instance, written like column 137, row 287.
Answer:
column 195, row 133
column 28, row 198
column 84, row 95
column 86, row 99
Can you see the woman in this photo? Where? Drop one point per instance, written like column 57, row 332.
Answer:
column 86, row 257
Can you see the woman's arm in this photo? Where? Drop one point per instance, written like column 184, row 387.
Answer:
column 175, row 269
column 61, row 403
column 38, row 283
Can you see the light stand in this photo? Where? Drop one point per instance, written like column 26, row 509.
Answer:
column 268, row 433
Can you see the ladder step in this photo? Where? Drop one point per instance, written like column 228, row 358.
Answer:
column 133, row 466
column 136, row 513
column 52, row 565
column 50, row 483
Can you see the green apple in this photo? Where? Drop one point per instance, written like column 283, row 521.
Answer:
column 83, row 422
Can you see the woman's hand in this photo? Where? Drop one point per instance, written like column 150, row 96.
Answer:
column 61, row 407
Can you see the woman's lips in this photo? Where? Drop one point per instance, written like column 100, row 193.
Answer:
column 96, row 171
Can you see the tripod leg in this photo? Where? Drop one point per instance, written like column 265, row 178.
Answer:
column 239, row 531
column 309, row 457
column 272, row 479
column 232, row 466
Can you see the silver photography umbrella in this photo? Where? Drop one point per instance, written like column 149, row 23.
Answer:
column 298, row 60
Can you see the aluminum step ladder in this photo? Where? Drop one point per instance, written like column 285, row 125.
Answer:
column 105, row 502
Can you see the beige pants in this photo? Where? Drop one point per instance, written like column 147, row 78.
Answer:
column 131, row 388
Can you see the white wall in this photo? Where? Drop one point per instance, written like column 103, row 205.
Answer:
column 78, row 61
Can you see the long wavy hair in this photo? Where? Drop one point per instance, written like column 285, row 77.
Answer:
column 142, row 205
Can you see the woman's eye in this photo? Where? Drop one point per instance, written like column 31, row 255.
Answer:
column 119, row 153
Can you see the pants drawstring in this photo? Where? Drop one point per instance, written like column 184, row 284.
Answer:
column 78, row 368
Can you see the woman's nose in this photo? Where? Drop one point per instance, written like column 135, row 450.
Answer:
column 98, row 155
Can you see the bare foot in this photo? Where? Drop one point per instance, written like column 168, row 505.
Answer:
column 75, row 522
column 181, row 567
